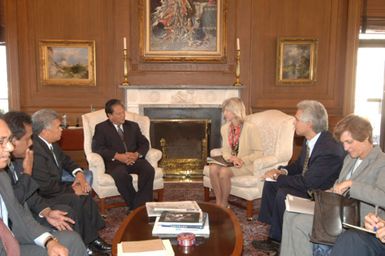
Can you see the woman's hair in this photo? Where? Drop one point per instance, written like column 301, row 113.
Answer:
column 359, row 127
column 315, row 113
column 236, row 106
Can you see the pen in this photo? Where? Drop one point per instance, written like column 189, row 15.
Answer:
column 375, row 213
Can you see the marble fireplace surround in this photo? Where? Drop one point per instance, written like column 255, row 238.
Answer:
column 141, row 99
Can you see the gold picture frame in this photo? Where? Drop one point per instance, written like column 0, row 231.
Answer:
column 296, row 60
column 182, row 30
column 67, row 62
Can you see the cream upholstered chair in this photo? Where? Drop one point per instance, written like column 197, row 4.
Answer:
column 277, row 131
column 103, row 184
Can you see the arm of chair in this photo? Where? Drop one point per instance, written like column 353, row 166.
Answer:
column 153, row 156
column 96, row 164
column 263, row 164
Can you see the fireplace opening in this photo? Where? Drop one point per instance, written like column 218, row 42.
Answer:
column 184, row 145
column 185, row 135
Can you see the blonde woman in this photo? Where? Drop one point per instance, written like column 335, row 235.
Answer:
column 240, row 145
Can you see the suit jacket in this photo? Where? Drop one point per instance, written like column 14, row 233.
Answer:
column 45, row 171
column 24, row 226
column 324, row 166
column 368, row 180
column 106, row 141
column 250, row 147
column 25, row 188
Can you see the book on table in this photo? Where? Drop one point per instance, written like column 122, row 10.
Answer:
column 299, row 204
column 155, row 209
column 173, row 231
column 182, row 219
column 152, row 247
column 219, row 160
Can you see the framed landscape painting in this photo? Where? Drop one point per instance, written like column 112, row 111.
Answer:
column 182, row 30
column 67, row 62
column 296, row 60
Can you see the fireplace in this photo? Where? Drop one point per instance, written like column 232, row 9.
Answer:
column 185, row 137
column 185, row 102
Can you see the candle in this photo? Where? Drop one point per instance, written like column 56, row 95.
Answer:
column 238, row 44
column 124, row 43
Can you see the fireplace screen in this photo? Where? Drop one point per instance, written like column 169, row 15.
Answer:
column 184, row 145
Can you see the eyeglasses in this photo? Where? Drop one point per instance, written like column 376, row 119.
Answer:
column 5, row 141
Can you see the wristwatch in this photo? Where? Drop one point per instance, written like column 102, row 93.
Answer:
column 49, row 239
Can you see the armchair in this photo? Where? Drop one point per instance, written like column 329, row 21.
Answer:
column 103, row 184
column 277, row 130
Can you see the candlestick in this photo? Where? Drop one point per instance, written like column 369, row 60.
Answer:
column 124, row 43
column 237, row 67
column 125, row 71
column 238, row 44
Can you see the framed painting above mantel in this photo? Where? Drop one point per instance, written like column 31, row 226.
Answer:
column 182, row 30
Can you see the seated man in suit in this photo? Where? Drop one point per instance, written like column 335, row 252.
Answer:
column 20, row 233
column 123, row 147
column 48, row 166
column 317, row 167
column 20, row 171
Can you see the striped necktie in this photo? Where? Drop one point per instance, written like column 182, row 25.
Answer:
column 306, row 162
column 121, row 135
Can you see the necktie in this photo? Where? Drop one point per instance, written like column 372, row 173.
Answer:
column 54, row 156
column 13, row 172
column 11, row 245
column 121, row 135
column 306, row 162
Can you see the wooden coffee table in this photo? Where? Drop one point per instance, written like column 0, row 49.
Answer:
column 225, row 232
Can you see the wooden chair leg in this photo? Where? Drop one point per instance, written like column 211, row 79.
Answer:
column 102, row 205
column 249, row 210
column 160, row 195
column 207, row 194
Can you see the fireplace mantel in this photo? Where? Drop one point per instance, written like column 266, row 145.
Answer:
column 137, row 96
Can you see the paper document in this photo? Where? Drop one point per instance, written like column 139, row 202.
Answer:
column 347, row 225
column 299, row 204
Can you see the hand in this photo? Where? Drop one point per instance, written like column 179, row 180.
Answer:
column 132, row 157
column 80, row 180
column 381, row 232
column 28, row 162
column 271, row 174
column 59, row 220
column 371, row 221
column 342, row 187
column 54, row 248
column 237, row 162
column 78, row 190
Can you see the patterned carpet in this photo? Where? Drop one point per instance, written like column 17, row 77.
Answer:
column 194, row 191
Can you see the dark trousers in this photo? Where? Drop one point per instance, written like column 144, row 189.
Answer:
column 123, row 181
column 273, row 206
column 358, row 243
column 89, row 220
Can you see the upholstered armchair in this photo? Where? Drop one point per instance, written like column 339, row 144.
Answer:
column 103, row 184
column 277, row 131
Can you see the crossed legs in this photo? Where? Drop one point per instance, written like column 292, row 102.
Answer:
column 220, row 178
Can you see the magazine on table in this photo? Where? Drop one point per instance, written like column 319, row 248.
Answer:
column 152, row 247
column 180, row 220
column 299, row 204
column 219, row 160
column 155, row 209
column 162, row 231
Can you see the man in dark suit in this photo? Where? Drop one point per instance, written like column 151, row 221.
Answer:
column 20, row 170
column 49, row 163
column 123, row 147
column 30, row 238
column 317, row 167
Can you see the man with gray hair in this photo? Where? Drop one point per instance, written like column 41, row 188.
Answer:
column 49, row 164
column 317, row 167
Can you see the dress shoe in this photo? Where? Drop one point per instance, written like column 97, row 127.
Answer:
column 90, row 252
column 99, row 245
column 267, row 245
